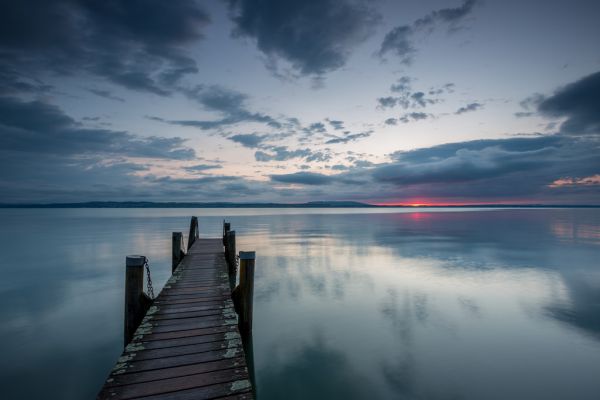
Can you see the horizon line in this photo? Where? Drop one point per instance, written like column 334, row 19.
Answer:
column 314, row 204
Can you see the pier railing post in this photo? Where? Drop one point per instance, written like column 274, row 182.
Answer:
column 246, row 289
column 231, row 251
column 193, row 232
column 178, row 250
column 226, row 228
column 136, row 304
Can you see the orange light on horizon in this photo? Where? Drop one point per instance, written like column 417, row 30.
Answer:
column 442, row 203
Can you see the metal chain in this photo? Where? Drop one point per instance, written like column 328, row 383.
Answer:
column 150, row 289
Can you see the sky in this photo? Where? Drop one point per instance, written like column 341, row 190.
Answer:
column 386, row 102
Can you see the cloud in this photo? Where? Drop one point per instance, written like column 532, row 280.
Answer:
column 399, row 41
column 523, row 114
column 135, row 44
column 532, row 102
column 106, row 94
column 516, row 165
column 387, row 102
column 14, row 82
column 339, row 167
column 391, row 121
column 593, row 180
column 250, row 140
column 313, row 36
column 202, row 167
column 469, row 108
column 337, row 125
column 317, row 127
column 303, row 178
column 413, row 116
column 229, row 103
column 579, row 103
column 407, row 98
column 45, row 155
column 38, row 127
column 281, row 153
column 349, row 137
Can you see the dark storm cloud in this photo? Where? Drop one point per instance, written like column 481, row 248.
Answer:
column 468, row 108
column 314, row 36
column 303, row 178
column 38, row 127
column 579, row 103
column 13, row 82
column 399, row 41
column 349, row 137
column 133, row 43
column 484, row 159
column 555, row 168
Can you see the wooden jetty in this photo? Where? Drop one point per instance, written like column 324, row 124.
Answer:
column 188, row 343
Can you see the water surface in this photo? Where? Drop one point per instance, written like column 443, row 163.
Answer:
column 349, row 303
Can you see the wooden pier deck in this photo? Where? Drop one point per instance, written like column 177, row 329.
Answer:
column 188, row 346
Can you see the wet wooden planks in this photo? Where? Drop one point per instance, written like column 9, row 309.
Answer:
column 188, row 346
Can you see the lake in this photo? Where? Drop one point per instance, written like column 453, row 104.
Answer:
column 349, row 303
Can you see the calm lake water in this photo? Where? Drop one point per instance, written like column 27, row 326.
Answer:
column 349, row 304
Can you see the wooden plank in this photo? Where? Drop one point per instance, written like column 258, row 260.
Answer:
column 217, row 337
column 166, row 386
column 185, row 370
column 188, row 333
column 207, row 392
column 149, row 354
column 188, row 345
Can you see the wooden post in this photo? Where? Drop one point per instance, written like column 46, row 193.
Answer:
column 231, row 252
column 178, row 250
column 246, row 292
column 226, row 228
column 230, row 257
column 134, row 291
column 193, row 232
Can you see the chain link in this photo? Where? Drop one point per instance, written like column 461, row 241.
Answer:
column 150, row 289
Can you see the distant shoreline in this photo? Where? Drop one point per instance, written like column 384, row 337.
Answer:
column 317, row 204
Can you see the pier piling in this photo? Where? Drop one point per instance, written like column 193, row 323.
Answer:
column 136, row 301
column 193, row 232
column 178, row 250
column 246, row 292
